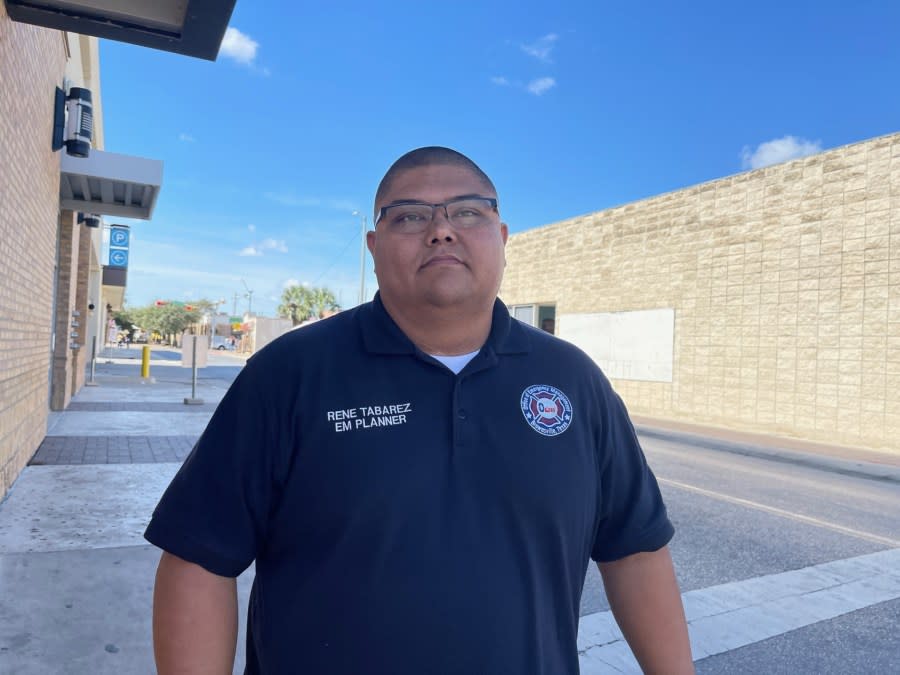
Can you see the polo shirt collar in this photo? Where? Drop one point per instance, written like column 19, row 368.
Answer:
column 382, row 336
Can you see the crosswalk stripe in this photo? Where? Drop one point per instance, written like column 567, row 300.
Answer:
column 728, row 616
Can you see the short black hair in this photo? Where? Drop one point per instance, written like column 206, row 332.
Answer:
column 427, row 156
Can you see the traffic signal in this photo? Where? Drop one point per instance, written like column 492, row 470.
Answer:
column 160, row 303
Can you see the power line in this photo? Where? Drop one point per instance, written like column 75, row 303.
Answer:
column 335, row 261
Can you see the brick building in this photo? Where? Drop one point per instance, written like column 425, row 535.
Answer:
column 55, row 290
column 49, row 259
column 767, row 302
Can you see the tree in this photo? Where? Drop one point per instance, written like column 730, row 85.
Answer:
column 323, row 300
column 168, row 319
column 296, row 303
column 125, row 319
column 299, row 303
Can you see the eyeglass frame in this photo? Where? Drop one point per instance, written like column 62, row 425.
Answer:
column 494, row 203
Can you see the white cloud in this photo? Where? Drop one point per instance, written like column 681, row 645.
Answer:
column 500, row 81
column 258, row 250
column 777, row 151
column 294, row 282
column 238, row 46
column 186, row 138
column 540, row 86
column 274, row 245
column 542, row 47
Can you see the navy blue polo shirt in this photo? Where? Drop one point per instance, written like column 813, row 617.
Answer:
column 405, row 519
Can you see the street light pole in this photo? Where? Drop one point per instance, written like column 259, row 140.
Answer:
column 215, row 320
column 249, row 297
column 362, row 257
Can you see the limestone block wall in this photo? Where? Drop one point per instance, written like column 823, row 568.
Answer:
column 32, row 61
column 785, row 283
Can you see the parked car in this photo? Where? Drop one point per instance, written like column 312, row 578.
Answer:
column 222, row 343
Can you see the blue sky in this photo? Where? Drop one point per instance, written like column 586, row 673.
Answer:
column 570, row 107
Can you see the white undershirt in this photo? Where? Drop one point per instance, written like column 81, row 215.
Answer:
column 455, row 363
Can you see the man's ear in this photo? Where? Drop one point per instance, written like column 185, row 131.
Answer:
column 370, row 241
column 504, row 232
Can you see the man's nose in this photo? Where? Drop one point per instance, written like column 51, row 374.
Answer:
column 440, row 227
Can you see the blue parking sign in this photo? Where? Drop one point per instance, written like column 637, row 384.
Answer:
column 118, row 257
column 118, row 237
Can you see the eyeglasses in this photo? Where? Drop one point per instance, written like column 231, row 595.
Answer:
column 464, row 213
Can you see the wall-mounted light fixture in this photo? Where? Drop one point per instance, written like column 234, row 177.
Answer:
column 73, row 121
column 89, row 219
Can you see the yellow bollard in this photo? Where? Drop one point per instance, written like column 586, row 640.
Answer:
column 145, row 361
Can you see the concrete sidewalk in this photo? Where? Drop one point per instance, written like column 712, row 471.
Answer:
column 76, row 575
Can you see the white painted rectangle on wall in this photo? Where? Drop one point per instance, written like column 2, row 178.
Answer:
column 635, row 345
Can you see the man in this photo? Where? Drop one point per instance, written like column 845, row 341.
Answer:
column 420, row 481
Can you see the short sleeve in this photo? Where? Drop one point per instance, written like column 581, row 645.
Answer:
column 215, row 511
column 633, row 517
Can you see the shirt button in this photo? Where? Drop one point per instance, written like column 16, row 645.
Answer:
column 461, row 414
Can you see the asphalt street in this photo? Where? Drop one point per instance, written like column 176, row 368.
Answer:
column 739, row 518
column 785, row 567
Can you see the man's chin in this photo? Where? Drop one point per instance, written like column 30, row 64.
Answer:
column 449, row 297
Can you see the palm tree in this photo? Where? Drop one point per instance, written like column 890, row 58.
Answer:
column 323, row 300
column 296, row 303
column 299, row 303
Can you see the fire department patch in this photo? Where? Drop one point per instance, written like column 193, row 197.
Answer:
column 547, row 410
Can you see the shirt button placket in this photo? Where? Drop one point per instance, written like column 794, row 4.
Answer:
column 459, row 417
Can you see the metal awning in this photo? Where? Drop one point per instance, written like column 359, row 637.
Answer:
column 110, row 184
column 191, row 27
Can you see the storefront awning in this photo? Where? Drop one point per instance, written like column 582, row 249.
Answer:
column 110, row 184
column 191, row 27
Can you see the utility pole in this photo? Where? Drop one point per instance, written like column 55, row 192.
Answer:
column 215, row 319
column 234, row 307
column 249, row 297
column 362, row 257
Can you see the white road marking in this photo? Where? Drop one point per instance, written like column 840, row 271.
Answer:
column 809, row 520
column 846, row 488
column 728, row 616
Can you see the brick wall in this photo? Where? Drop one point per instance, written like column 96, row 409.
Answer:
column 32, row 61
column 785, row 283
column 79, row 356
column 66, row 293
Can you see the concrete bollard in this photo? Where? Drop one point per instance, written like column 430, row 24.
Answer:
column 145, row 361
